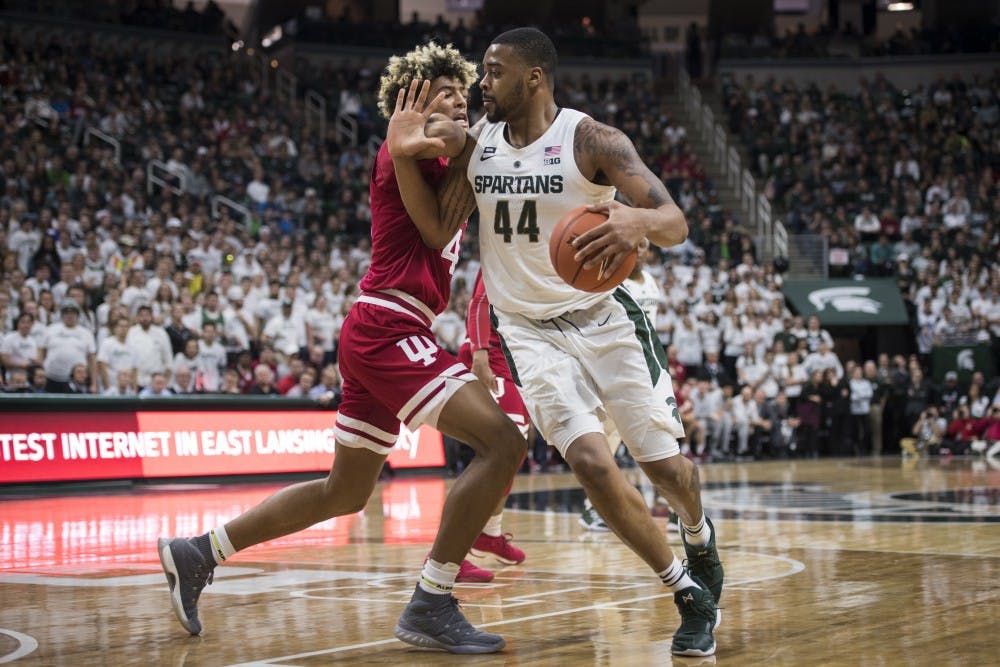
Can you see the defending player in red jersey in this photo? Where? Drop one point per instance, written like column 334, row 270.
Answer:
column 393, row 372
column 483, row 353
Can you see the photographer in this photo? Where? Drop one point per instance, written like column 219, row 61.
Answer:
column 963, row 429
column 928, row 431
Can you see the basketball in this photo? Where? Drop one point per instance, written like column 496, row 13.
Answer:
column 561, row 251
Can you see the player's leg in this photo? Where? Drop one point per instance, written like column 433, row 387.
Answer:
column 563, row 399
column 492, row 540
column 189, row 563
column 432, row 619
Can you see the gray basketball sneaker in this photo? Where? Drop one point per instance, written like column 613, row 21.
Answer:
column 187, row 575
column 434, row 621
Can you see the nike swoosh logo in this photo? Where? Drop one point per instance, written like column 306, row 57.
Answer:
column 601, row 324
column 484, row 158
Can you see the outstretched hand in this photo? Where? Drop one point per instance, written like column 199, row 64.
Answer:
column 609, row 243
column 405, row 136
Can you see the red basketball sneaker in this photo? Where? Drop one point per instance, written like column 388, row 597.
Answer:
column 468, row 573
column 499, row 547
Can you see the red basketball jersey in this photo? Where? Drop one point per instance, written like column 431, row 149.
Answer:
column 400, row 259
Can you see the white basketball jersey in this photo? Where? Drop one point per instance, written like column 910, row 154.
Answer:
column 647, row 294
column 521, row 194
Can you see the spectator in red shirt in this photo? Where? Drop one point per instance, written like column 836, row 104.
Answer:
column 964, row 428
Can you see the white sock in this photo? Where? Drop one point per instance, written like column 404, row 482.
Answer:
column 438, row 578
column 493, row 527
column 222, row 548
column 699, row 534
column 676, row 577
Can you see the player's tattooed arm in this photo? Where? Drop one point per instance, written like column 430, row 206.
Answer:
column 606, row 156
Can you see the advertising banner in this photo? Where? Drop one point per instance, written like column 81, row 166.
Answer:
column 65, row 446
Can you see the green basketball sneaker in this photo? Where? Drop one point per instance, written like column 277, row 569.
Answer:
column 591, row 520
column 703, row 562
column 698, row 618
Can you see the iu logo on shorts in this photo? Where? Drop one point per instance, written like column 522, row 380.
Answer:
column 419, row 348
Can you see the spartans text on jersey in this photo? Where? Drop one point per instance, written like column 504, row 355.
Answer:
column 519, row 185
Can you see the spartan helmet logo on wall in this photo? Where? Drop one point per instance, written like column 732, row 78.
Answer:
column 965, row 361
column 845, row 300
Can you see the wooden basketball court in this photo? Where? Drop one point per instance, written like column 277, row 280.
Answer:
column 873, row 562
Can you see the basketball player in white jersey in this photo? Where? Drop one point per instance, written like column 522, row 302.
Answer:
column 581, row 359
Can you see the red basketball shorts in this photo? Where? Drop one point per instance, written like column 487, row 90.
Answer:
column 507, row 396
column 393, row 371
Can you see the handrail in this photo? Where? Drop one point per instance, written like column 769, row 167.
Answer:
column 347, row 129
column 153, row 179
column 218, row 201
column 765, row 223
column 721, row 145
column 747, row 197
column 106, row 138
column 735, row 166
column 314, row 107
column 285, row 85
column 781, row 240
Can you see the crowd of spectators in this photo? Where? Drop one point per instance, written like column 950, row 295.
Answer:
column 900, row 183
column 581, row 37
column 159, row 14
column 827, row 42
column 106, row 286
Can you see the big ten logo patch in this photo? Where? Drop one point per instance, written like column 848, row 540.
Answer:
column 419, row 349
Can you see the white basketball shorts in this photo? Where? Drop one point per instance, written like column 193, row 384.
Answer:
column 592, row 371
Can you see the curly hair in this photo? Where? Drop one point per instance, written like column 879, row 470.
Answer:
column 424, row 62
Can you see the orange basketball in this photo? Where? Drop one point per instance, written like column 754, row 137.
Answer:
column 561, row 251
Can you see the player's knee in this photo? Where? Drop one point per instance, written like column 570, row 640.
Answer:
column 594, row 469
column 345, row 496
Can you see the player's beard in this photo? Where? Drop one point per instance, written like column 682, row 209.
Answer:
column 513, row 101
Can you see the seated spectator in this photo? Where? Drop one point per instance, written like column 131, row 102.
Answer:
column 962, row 430
column 244, row 370
column 37, row 380
column 328, row 392
column 17, row 382
column 183, row 380
column 124, row 384
column 78, row 380
column 230, row 382
column 927, row 433
column 295, row 369
column 305, row 384
column 157, row 386
column 263, row 383
column 975, row 401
